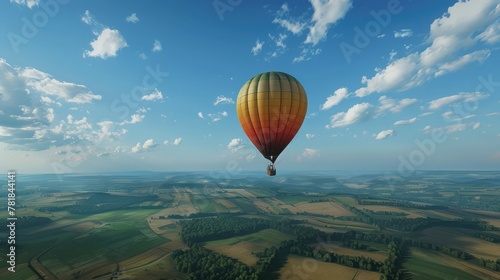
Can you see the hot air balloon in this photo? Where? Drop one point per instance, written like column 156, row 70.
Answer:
column 271, row 108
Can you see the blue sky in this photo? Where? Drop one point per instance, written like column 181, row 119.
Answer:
column 98, row 86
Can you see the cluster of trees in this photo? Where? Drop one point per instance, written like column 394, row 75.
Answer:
column 99, row 202
column 384, row 213
column 201, row 230
column 493, row 265
column 397, row 203
column 413, row 224
column 362, row 262
column 201, row 215
column 305, row 213
column 355, row 245
column 487, row 237
column 32, row 221
column 391, row 270
column 200, row 263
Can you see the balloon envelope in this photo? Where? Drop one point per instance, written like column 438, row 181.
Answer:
column 271, row 108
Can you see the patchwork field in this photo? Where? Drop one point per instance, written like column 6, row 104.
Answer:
column 426, row 264
column 243, row 248
column 136, row 240
column 298, row 267
column 460, row 239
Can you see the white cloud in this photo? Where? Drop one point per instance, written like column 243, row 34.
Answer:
column 235, row 145
column 224, row 114
column 403, row 33
column 409, row 121
column 308, row 153
column 310, row 136
column 393, row 77
column 326, row 12
column 146, row 147
column 149, row 144
column 454, row 128
column 460, row 62
column 155, row 95
column 157, row 46
column 392, row 54
column 87, row 18
column 447, row 114
column 132, row 18
column 137, row 148
column 284, row 20
column 476, row 125
column 46, row 84
column 221, row 99
column 339, row 95
column 492, row 34
column 294, row 27
column 29, row 3
column 355, row 114
column 447, row 100
column 177, row 141
column 107, row 44
column 135, row 118
column 449, row 34
column 384, row 134
column 394, row 106
column 258, row 47
column 143, row 56
column 200, row 115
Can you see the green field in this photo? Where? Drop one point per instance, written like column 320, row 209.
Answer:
column 265, row 237
column 292, row 199
column 424, row 267
column 121, row 235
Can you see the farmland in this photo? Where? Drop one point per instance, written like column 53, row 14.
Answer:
column 129, row 226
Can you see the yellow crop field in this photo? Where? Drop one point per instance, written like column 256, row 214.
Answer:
column 298, row 267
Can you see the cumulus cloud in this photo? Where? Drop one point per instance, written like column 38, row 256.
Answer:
column 326, row 13
column 200, row 115
column 339, row 95
column 221, row 99
column 356, row 113
column 409, row 121
column 157, row 46
column 132, row 18
column 258, row 47
column 28, row 115
column 177, row 141
column 449, row 35
column 235, row 145
column 310, row 136
column 107, row 44
column 146, row 147
column 155, row 95
column 384, row 134
column 135, row 118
